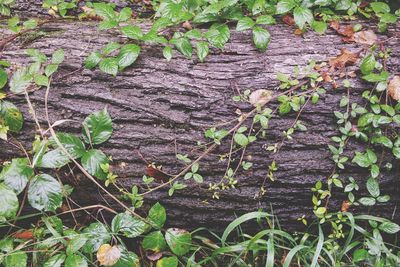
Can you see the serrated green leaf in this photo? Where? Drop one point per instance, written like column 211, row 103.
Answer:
column 45, row 193
column 389, row 227
column 20, row 80
column 3, row 78
column 132, row 32
column 202, row 50
column 92, row 60
column 97, row 127
column 11, row 116
column 167, row 53
column 75, row 260
column 284, row 6
column 128, row 225
column 245, row 23
column 57, row 57
column 104, row 10
column 109, row 65
column 154, row 241
column 178, row 240
column 97, row 235
column 261, row 38
column 17, row 174
column 54, row 159
column 71, row 143
column 8, row 202
column 218, row 35
column 55, row 261
column 167, row 262
column 128, row 55
column 183, row 45
column 158, row 215
column 92, row 161
column 302, row 15
column 41, row 80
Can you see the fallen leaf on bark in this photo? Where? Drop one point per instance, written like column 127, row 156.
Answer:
column 394, row 88
column 365, row 37
column 25, row 234
column 260, row 97
column 345, row 58
column 289, row 20
column 108, row 255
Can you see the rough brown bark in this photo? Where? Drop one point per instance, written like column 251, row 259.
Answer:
column 160, row 106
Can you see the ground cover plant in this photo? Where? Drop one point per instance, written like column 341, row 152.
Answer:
column 38, row 221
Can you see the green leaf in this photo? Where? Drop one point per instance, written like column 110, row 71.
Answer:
column 265, row 20
column 362, row 160
column 8, row 202
column 367, row 201
column 202, row 50
column 109, row 65
column 41, row 80
column 3, row 78
column 360, row 255
column 302, row 15
column 55, row 261
column 383, row 140
column 380, row 7
column 92, row 161
column 132, row 32
column 183, row 45
column 167, row 53
column 396, row 152
column 57, row 57
column 104, row 10
column 128, row 55
column 30, row 24
column 374, row 77
column 50, row 69
column 36, row 55
column 368, row 64
column 75, row 260
column 16, row 174
column 97, row 235
column 76, row 243
column 373, row 187
column 319, row 26
column 20, row 81
column 389, row 227
column 167, row 262
column 45, row 193
column 54, row 159
column 261, row 38
column 154, row 241
column 92, row 60
column 285, row 6
column 127, row 258
column 178, row 240
column 97, row 127
column 128, row 225
column 71, row 143
column 16, row 259
column 158, row 215
column 218, row 35
column 245, row 23
column 125, row 14
column 241, row 139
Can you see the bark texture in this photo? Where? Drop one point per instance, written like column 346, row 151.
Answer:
column 161, row 107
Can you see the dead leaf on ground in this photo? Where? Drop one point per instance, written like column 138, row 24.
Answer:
column 394, row 88
column 108, row 255
column 154, row 256
column 25, row 234
column 289, row 20
column 345, row 58
column 345, row 206
column 365, row 37
column 347, row 31
column 260, row 97
column 187, row 25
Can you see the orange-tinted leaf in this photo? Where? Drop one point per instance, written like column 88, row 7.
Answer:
column 25, row 234
column 394, row 88
column 288, row 19
column 108, row 255
column 153, row 171
column 345, row 206
column 344, row 59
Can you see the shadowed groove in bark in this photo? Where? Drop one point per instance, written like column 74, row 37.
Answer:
column 156, row 104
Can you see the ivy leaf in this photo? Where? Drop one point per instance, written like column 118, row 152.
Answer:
column 92, row 60
column 132, row 32
column 20, row 81
column 71, row 143
column 183, row 45
column 302, row 15
column 368, row 64
column 285, row 6
column 16, row 174
column 154, row 241
column 97, row 127
column 57, row 57
column 167, row 53
column 261, row 38
column 75, row 260
column 45, row 193
column 178, row 240
column 202, row 50
column 54, row 159
column 128, row 55
column 109, row 65
column 158, row 215
column 128, row 225
column 97, row 234
column 92, row 161
column 11, row 116
column 8, row 202
column 218, row 35
column 245, row 23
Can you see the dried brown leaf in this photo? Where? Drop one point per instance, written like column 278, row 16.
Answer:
column 344, row 59
column 108, row 255
column 289, row 20
column 365, row 37
column 260, row 97
column 394, row 88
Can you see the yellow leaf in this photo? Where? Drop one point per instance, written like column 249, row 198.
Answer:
column 108, row 255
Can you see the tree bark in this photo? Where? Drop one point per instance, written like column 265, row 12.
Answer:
column 160, row 108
